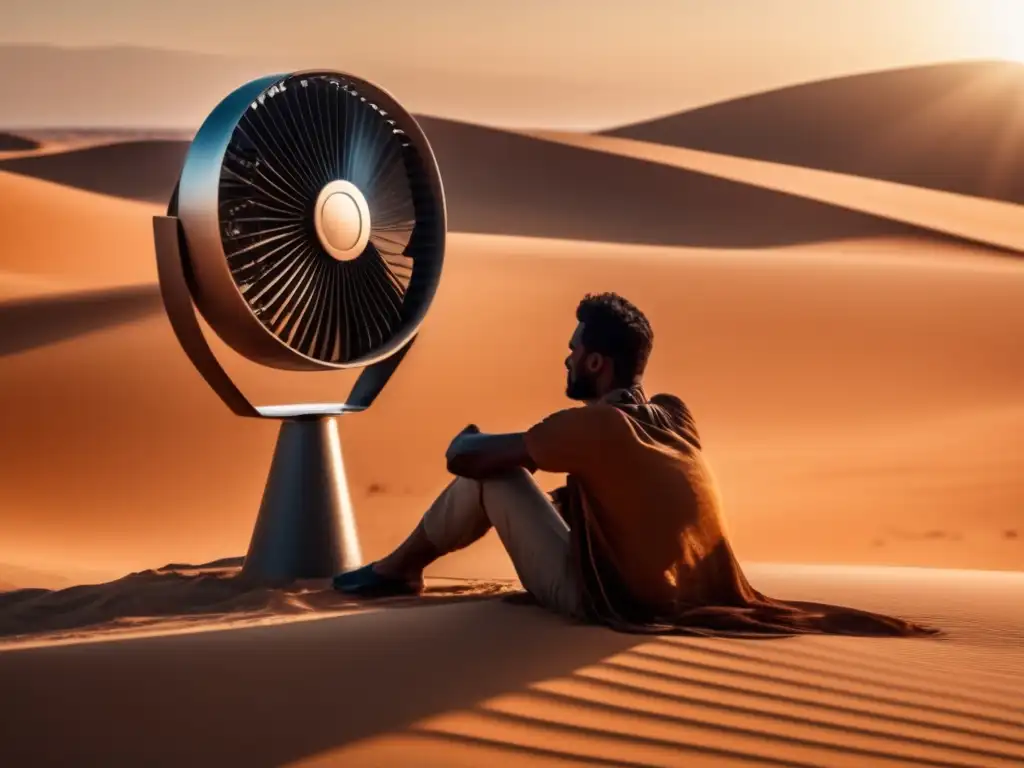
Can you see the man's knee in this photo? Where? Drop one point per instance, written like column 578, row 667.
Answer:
column 515, row 475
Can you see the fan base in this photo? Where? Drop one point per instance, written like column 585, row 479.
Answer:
column 306, row 527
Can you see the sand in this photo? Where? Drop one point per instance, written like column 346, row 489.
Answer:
column 474, row 682
column 951, row 126
column 971, row 218
column 867, row 391
column 855, row 375
column 497, row 182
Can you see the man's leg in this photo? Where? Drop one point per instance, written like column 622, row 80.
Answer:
column 530, row 528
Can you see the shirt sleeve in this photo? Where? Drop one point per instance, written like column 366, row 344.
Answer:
column 569, row 440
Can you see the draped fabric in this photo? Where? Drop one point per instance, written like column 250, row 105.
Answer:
column 648, row 542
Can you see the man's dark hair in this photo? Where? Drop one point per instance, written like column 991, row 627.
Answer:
column 614, row 327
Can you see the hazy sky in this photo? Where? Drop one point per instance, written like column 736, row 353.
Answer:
column 587, row 62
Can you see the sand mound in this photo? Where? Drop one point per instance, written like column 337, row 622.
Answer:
column 179, row 595
column 12, row 143
column 954, row 127
column 139, row 170
column 30, row 323
column 866, row 393
column 945, row 214
column 506, row 183
column 480, row 682
column 73, row 237
column 499, row 182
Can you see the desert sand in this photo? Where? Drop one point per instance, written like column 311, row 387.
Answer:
column 853, row 364
column 954, row 127
column 468, row 682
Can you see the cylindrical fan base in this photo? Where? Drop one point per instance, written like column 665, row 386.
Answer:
column 306, row 527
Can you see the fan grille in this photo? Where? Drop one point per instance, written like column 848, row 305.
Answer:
column 298, row 136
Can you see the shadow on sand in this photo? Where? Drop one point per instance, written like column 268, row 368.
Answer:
column 30, row 323
column 266, row 696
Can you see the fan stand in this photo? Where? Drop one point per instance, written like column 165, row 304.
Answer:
column 306, row 526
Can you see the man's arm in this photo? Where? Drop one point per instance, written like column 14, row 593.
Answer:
column 476, row 455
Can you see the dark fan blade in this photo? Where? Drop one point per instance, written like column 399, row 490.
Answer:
column 305, row 132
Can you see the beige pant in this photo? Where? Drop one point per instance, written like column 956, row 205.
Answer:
column 530, row 528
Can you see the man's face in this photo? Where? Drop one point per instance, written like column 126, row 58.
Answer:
column 581, row 383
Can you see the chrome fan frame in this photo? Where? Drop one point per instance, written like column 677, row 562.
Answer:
column 215, row 286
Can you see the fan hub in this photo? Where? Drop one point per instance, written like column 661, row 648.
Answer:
column 342, row 220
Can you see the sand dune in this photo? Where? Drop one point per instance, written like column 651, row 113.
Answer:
column 868, row 393
column 975, row 220
column 16, row 286
column 499, row 182
column 35, row 322
column 954, row 127
column 481, row 682
column 75, row 238
column 857, row 385
column 9, row 142
column 505, row 183
column 139, row 170
column 180, row 596
column 15, row 577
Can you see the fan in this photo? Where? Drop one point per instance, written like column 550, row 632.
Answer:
column 308, row 228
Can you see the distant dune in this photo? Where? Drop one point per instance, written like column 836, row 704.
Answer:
column 140, row 170
column 973, row 219
column 500, row 182
column 957, row 127
column 9, row 142
column 74, row 238
column 17, row 577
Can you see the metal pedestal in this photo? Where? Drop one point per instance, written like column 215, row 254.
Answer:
column 306, row 527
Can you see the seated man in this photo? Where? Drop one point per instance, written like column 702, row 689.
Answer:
column 634, row 540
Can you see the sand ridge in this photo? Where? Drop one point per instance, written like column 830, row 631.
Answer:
column 976, row 220
column 906, row 125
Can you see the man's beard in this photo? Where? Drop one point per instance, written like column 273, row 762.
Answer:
column 582, row 387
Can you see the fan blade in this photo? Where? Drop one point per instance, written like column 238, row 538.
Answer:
column 373, row 378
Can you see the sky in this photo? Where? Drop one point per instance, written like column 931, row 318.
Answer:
column 554, row 63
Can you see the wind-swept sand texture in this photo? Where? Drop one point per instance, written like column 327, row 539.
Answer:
column 957, row 127
column 482, row 682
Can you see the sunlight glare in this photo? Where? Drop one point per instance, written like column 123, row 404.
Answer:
column 1003, row 22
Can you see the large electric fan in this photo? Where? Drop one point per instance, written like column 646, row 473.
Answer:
column 308, row 227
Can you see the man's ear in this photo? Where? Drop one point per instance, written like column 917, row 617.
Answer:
column 593, row 362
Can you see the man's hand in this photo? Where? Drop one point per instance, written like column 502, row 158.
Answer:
column 455, row 446
column 477, row 455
